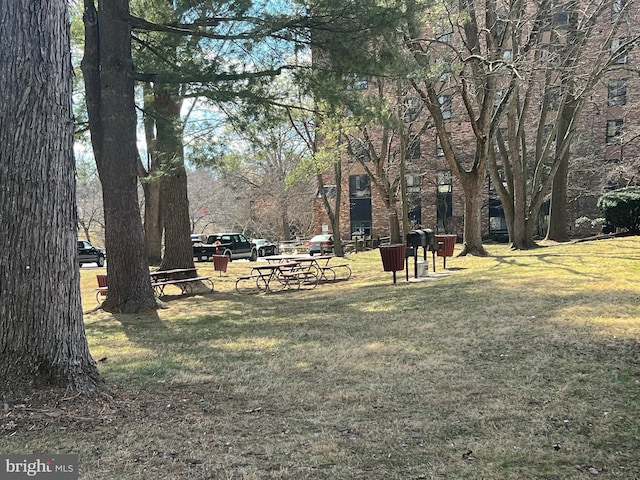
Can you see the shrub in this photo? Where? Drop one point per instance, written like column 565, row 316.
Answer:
column 621, row 208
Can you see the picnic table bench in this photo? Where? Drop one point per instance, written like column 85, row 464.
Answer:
column 183, row 278
column 332, row 271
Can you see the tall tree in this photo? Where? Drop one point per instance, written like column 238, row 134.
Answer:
column 458, row 51
column 225, row 52
column 384, row 140
column 606, row 27
column 108, row 74
column 499, row 57
column 42, row 337
column 360, row 49
column 553, row 75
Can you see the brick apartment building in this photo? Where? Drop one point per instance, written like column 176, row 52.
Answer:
column 604, row 155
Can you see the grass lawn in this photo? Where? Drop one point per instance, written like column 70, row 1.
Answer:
column 521, row 365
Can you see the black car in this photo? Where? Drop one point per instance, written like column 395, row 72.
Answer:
column 90, row 254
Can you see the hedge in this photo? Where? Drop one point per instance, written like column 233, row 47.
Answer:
column 621, row 208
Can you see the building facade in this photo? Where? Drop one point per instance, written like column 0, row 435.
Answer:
column 604, row 150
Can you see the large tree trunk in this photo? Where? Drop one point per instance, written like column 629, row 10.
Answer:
column 472, row 183
column 558, row 209
column 152, row 219
column 150, row 179
column 42, row 336
column 108, row 73
column 174, row 204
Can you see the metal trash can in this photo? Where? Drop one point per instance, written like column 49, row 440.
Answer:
column 393, row 258
column 220, row 263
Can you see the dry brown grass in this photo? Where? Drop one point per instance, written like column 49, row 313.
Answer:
column 516, row 366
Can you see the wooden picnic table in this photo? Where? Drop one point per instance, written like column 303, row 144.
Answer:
column 183, row 278
column 324, row 270
column 270, row 277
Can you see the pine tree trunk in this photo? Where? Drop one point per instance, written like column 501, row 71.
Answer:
column 42, row 337
column 174, row 203
column 108, row 71
column 152, row 221
column 150, row 180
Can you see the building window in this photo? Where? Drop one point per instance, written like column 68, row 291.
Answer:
column 360, row 212
column 563, row 19
column 330, row 191
column 614, row 131
column 411, row 107
column 439, row 150
column 443, row 178
column 554, row 98
column 358, row 151
column 359, row 186
column 413, row 149
column 414, row 210
column 443, row 65
column 617, row 8
column 444, row 31
column 413, row 182
column 497, row 220
column 360, row 229
column 617, row 92
column 444, row 197
column 619, row 50
column 445, row 106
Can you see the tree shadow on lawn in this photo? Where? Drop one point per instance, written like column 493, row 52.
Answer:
column 361, row 383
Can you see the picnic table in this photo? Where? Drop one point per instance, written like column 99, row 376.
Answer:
column 324, row 270
column 183, row 278
column 270, row 277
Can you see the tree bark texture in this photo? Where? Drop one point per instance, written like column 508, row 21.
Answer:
column 42, row 336
column 113, row 132
column 150, row 180
column 174, row 203
column 472, row 183
column 558, row 218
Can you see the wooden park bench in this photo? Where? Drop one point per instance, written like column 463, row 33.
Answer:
column 183, row 278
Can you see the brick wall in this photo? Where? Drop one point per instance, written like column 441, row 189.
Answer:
column 595, row 164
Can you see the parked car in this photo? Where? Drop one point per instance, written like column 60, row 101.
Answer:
column 198, row 238
column 233, row 245
column 292, row 247
column 265, row 247
column 320, row 244
column 87, row 253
